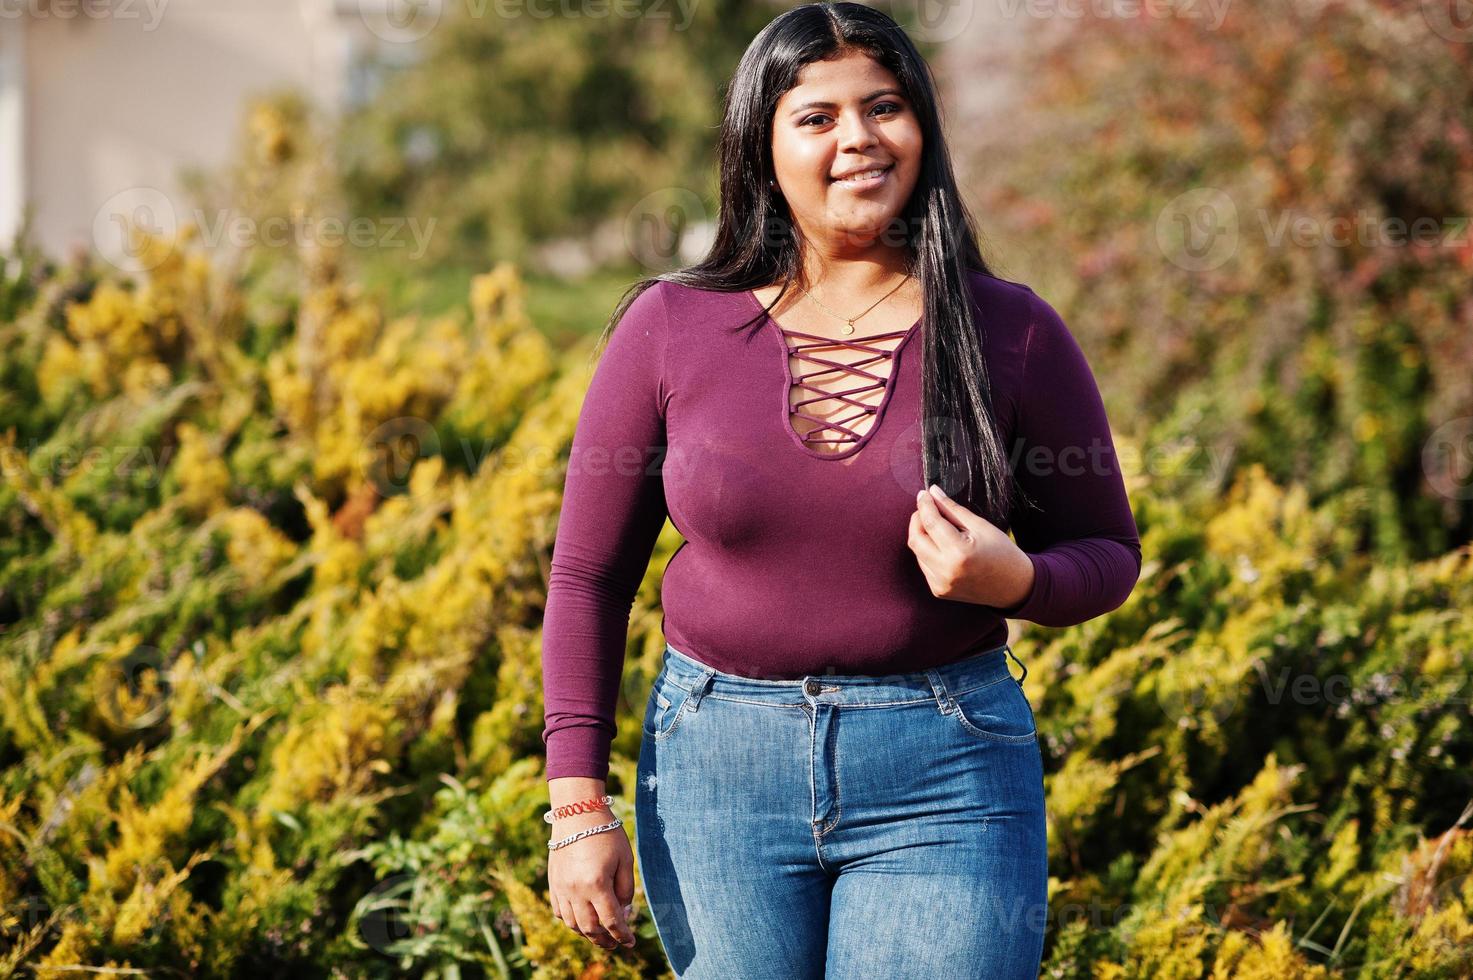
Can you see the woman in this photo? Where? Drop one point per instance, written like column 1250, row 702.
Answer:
column 839, row 775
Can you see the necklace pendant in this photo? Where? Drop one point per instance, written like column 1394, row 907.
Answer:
column 848, row 328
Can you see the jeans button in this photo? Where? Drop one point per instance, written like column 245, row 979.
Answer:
column 811, row 687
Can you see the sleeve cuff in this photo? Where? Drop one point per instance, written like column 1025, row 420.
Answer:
column 1026, row 609
column 577, row 752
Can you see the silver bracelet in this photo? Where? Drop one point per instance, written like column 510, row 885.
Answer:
column 553, row 845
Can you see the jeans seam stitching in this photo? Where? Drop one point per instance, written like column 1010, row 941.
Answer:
column 838, row 794
column 675, row 721
column 979, row 687
column 966, row 724
column 866, row 704
column 760, row 704
column 813, row 783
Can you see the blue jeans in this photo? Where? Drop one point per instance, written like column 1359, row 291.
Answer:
column 844, row 827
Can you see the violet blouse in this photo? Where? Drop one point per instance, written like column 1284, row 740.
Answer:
column 795, row 559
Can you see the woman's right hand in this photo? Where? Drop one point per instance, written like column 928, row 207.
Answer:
column 591, row 881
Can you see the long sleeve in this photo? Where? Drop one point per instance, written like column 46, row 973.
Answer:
column 612, row 511
column 1082, row 539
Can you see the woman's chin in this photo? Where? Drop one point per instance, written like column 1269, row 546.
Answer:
column 866, row 224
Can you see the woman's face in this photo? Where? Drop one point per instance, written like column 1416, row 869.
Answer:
column 844, row 116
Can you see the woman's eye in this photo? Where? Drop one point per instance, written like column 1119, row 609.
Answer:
column 892, row 106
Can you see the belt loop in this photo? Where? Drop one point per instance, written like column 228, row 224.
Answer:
column 700, row 687
column 943, row 696
column 1019, row 680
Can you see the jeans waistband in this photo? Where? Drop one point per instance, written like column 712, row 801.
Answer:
column 939, row 683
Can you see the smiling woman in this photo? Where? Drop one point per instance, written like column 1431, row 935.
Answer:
column 824, row 407
column 846, row 167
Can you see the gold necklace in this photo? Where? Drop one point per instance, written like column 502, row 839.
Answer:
column 848, row 327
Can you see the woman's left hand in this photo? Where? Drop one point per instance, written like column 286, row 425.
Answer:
column 964, row 556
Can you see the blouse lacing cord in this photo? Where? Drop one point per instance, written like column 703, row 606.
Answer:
column 856, row 368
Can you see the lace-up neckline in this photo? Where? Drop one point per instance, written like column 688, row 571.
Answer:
column 839, row 429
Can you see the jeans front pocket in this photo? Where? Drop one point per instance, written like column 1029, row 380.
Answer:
column 998, row 711
column 665, row 706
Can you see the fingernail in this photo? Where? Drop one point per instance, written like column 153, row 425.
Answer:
column 937, row 491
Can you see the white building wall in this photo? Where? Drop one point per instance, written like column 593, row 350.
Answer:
column 12, row 129
column 113, row 106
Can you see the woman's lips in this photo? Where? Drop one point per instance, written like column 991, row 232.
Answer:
column 868, row 183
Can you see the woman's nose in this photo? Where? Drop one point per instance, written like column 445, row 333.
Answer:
column 856, row 132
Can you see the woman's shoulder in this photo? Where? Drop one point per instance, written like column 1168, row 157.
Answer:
column 1003, row 298
column 680, row 296
column 684, row 307
column 1008, row 313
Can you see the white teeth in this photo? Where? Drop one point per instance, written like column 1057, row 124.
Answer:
column 862, row 176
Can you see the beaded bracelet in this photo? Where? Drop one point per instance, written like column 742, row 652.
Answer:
column 582, row 806
column 553, row 845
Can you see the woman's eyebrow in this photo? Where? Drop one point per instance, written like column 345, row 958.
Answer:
column 834, row 105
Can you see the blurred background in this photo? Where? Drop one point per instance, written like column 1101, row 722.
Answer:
column 298, row 303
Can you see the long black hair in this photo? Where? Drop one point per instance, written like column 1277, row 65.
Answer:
column 756, row 243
